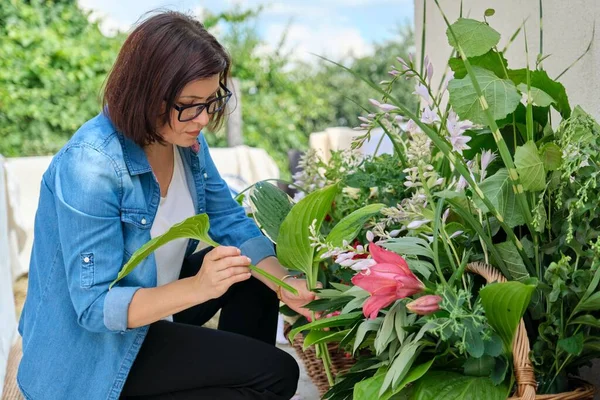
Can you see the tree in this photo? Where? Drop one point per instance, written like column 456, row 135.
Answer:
column 52, row 65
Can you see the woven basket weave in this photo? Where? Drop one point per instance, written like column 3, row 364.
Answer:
column 314, row 366
column 524, row 373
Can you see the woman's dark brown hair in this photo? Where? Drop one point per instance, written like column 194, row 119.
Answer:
column 162, row 55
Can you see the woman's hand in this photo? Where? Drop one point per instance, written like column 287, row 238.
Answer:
column 222, row 267
column 297, row 302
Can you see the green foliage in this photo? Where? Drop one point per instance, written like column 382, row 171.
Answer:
column 473, row 37
column 452, row 386
column 52, row 65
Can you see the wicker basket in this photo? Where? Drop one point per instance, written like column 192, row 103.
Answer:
column 524, row 374
column 314, row 366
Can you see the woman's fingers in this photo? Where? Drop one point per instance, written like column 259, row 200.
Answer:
column 221, row 252
column 231, row 262
column 233, row 271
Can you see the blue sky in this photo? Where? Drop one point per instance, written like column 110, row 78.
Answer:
column 327, row 27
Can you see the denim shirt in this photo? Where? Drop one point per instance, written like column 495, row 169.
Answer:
column 97, row 202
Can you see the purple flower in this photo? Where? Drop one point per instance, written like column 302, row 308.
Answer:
column 383, row 106
column 422, row 91
column 429, row 116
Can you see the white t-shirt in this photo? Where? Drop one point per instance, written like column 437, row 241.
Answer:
column 174, row 208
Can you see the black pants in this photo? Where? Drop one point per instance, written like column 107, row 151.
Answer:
column 182, row 360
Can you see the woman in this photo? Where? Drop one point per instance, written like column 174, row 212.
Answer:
column 126, row 176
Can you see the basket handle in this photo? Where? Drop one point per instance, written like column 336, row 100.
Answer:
column 524, row 373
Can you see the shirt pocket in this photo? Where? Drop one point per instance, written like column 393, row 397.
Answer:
column 136, row 229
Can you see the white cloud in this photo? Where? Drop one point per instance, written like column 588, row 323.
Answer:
column 108, row 25
column 331, row 41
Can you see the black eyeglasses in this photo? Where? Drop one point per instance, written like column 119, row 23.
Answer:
column 189, row 112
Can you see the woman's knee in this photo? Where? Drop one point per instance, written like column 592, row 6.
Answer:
column 289, row 373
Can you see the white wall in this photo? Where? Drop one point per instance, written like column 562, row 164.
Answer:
column 7, row 305
column 568, row 27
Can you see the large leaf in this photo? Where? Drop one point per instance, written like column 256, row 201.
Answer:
column 592, row 303
column 294, row 248
column 530, row 167
column 474, row 37
column 437, row 385
column 498, row 189
column 513, row 261
column 318, row 336
column 501, row 96
column 491, row 60
column 270, row 206
column 504, row 305
column 349, row 227
column 572, row 345
column 195, row 227
column 540, row 79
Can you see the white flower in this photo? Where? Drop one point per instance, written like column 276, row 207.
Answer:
column 429, row 116
column 353, row 193
column 344, row 256
column 418, row 223
column 456, row 129
column 363, row 264
column 370, row 236
column 360, row 249
column 412, row 127
column 395, row 232
column 383, row 106
column 487, row 157
column 422, row 91
column 299, row 196
column 455, row 234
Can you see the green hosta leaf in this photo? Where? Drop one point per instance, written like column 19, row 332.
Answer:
column 270, row 206
column 540, row 79
column 482, row 366
column 551, row 156
column 513, row 261
column 349, row 227
column 501, row 96
column 572, row 345
column 504, row 305
column 447, row 385
column 491, row 61
column 530, row 167
column 294, row 248
column 195, row 227
column 474, row 37
column 498, row 189
column 538, row 96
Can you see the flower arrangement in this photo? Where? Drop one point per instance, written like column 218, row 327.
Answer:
column 489, row 176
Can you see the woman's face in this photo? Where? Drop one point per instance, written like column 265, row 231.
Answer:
column 184, row 134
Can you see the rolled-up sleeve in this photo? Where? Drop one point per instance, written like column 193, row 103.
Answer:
column 87, row 187
column 229, row 224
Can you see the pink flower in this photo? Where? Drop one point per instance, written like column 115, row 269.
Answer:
column 196, row 147
column 425, row 305
column 388, row 280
